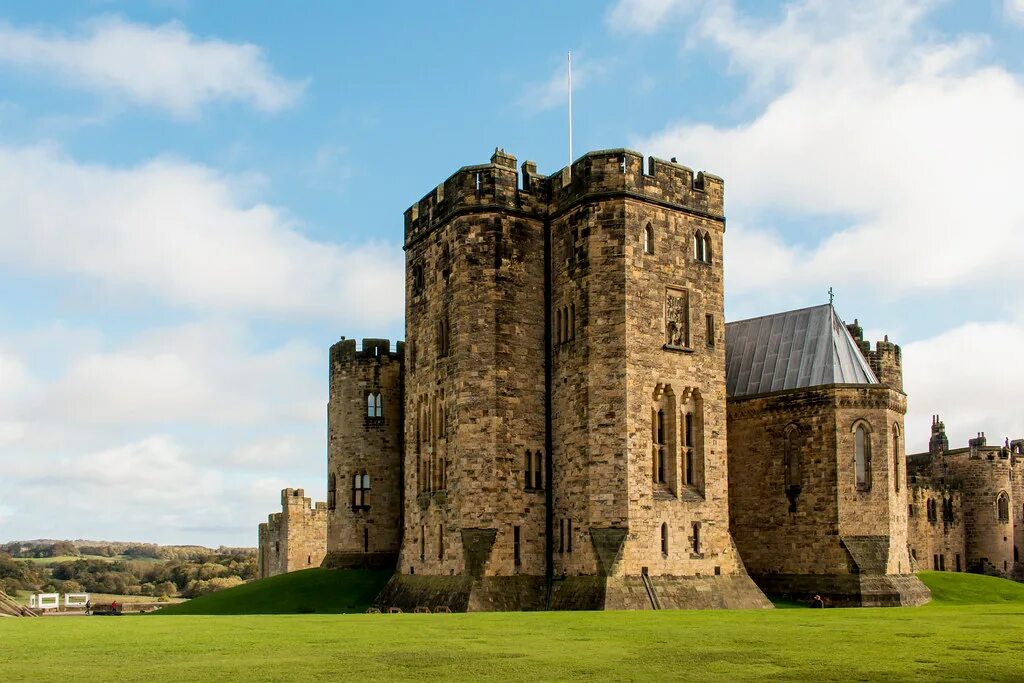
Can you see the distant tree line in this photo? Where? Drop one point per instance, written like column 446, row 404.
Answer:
column 134, row 569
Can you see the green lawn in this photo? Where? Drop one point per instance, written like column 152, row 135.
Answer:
column 943, row 641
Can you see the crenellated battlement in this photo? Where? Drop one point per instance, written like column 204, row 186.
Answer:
column 498, row 186
column 376, row 350
column 613, row 171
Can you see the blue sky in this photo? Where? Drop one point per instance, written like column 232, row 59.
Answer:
column 196, row 199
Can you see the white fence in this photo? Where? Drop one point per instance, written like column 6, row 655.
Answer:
column 51, row 601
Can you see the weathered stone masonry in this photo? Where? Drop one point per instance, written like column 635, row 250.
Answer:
column 564, row 436
column 294, row 538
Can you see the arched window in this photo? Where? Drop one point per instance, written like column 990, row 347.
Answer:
column 528, row 470
column 538, row 470
column 862, row 457
column 698, row 246
column 332, row 491
column 374, row 405
column 661, row 446
column 664, row 538
column 648, row 239
column 1003, row 506
column 696, row 538
column 357, row 491
column 707, row 248
column 693, row 440
column 896, row 457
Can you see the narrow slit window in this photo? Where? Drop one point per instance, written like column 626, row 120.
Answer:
column 664, row 539
column 648, row 239
column 709, row 330
column 516, row 552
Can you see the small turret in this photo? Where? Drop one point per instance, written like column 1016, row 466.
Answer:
column 938, row 444
column 887, row 363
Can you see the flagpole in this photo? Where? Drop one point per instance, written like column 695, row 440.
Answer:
column 570, row 109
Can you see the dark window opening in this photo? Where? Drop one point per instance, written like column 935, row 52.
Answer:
column 332, row 491
column 709, row 330
column 423, row 543
column 660, row 445
column 569, row 536
column 1003, row 507
column 440, row 542
column 366, row 539
column 696, row 538
column 515, row 546
column 360, row 491
column 664, row 539
column 862, row 457
column 648, row 239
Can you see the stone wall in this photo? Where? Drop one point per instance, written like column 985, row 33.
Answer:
column 970, row 481
column 364, row 453
column 936, row 524
column 293, row 539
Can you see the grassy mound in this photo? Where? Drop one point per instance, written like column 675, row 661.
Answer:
column 320, row 591
column 955, row 588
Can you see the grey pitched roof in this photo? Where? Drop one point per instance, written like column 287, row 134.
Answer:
column 792, row 350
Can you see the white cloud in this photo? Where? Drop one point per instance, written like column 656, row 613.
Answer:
column 170, row 428
column 971, row 376
column 1014, row 10
column 199, row 373
column 554, row 91
column 188, row 235
column 159, row 66
column 911, row 141
column 644, row 16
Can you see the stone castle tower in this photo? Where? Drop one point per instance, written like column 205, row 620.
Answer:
column 364, row 454
column 563, row 438
column 293, row 538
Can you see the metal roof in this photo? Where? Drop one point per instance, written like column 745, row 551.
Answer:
column 792, row 350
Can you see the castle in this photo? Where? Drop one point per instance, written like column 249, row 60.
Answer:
column 559, row 430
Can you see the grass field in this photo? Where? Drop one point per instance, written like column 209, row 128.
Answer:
column 971, row 631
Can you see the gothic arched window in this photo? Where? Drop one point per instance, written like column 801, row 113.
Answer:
column 896, row 457
column 648, row 239
column 862, row 457
column 1003, row 506
column 664, row 539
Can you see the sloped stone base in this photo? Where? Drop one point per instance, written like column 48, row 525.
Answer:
column 848, row 590
column 463, row 593
column 671, row 592
column 527, row 593
column 336, row 560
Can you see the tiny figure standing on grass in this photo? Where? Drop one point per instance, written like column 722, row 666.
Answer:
column 816, row 601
